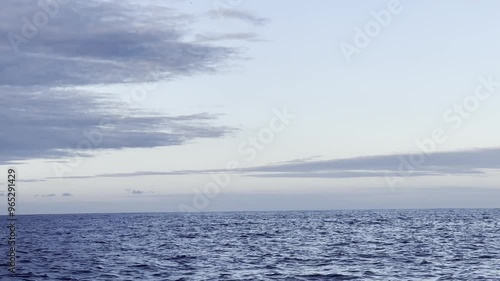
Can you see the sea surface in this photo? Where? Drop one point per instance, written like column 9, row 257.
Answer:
column 325, row 245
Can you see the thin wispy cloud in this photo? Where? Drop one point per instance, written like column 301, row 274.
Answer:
column 136, row 191
column 46, row 195
column 214, row 37
column 236, row 14
column 467, row 162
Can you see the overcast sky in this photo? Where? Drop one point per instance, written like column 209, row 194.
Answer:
column 125, row 106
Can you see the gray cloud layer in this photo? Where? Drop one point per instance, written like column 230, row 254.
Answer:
column 442, row 163
column 137, row 192
column 213, row 37
column 238, row 15
column 92, row 42
column 53, row 124
column 49, row 50
column 467, row 162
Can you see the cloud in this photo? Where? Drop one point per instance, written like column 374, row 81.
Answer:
column 30, row 180
column 45, row 195
column 58, row 123
column 299, row 160
column 338, row 175
column 245, row 16
column 96, row 42
column 67, row 194
column 134, row 174
column 466, row 162
column 213, row 37
column 136, row 192
column 88, row 42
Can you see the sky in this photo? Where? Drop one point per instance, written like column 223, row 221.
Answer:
column 236, row 105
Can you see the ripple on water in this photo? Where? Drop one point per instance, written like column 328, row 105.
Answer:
column 337, row 245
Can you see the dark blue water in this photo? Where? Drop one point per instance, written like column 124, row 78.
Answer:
column 336, row 245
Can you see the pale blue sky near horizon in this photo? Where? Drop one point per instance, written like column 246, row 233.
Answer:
column 349, row 117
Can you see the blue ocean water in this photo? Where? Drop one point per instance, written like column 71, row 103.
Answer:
column 324, row 245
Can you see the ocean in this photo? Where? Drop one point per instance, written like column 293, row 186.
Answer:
column 444, row 244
